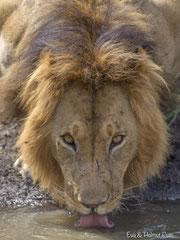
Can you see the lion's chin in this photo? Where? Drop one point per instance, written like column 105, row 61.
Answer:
column 96, row 217
column 94, row 220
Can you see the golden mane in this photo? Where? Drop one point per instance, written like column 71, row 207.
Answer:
column 89, row 42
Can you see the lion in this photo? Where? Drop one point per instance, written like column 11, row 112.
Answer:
column 86, row 78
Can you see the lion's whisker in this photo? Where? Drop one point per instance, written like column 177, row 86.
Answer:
column 124, row 206
column 58, row 185
column 121, row 206
column 130, row 197
column 139, row 185
column 59, row 192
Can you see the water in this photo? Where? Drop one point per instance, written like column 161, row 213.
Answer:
column 149, row 221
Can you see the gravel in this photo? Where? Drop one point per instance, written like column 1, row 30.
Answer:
column 14, row 189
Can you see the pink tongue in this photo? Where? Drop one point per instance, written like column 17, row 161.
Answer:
column 94, row 220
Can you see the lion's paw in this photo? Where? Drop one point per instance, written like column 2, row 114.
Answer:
column 22, row 168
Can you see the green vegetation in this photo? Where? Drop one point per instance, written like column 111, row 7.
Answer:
column 171, row 117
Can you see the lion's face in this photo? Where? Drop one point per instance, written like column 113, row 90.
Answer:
column 94, row 138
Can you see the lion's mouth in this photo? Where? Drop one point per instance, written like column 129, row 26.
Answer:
column 94, row 220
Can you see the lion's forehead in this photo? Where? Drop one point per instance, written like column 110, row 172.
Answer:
column 79, row 103
column 79, row 110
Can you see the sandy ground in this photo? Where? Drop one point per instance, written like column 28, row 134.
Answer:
column 16, row 191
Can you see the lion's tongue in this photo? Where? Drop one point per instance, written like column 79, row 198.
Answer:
column 94, row 220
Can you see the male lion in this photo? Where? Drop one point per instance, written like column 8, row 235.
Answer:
column 86, row 77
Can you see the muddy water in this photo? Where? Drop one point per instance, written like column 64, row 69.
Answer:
column 149, row 221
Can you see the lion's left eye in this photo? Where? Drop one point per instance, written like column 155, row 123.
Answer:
column 68, row 139
column 117, row 140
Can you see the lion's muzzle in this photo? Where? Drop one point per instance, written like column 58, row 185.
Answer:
column 92, row 198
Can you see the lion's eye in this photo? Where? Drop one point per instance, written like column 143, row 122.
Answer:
column 68, row 139
column 117, row 140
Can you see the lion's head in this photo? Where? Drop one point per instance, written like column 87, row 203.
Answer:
column 94, row 138
column 89, row 142
column 90, row 88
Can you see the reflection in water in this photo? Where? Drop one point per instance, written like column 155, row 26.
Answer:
column 150, row 221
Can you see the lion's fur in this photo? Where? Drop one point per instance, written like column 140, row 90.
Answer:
column 93, row 43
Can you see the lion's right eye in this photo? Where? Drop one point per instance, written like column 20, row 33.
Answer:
column 68, row 139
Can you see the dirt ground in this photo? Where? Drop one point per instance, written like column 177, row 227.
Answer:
column 16, row 191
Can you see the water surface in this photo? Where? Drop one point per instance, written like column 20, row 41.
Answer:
column 149, row 221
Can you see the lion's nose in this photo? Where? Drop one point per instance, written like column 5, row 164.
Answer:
column 92, row 206
column 89, row 202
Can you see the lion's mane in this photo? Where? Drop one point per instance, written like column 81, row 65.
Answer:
column 94, row 43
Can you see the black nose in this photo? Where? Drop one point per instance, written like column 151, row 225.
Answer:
column 92, row 206
column 90, row 200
